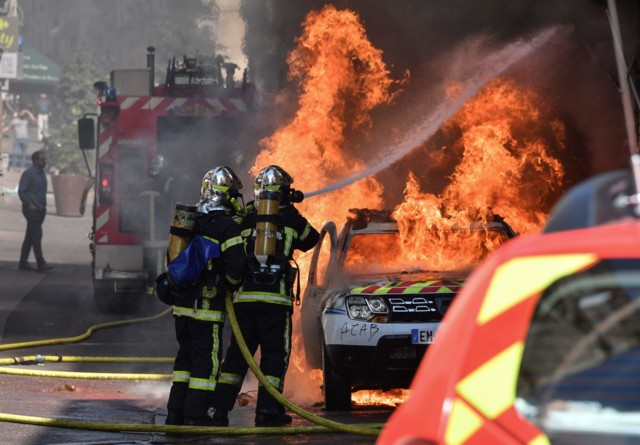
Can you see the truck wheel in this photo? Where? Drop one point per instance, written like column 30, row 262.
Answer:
column 336, row 388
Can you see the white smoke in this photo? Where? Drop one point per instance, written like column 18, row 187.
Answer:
column 228, row 28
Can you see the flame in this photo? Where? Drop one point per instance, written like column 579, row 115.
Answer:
column 392, row 398
column 501, row 143
column 341, row 77
column 506, row 167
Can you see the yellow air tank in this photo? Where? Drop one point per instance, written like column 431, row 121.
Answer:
column 266, row 231
column 181, row 230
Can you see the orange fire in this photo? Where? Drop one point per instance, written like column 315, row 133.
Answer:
column 503, row 165
column 506, row 168
column 342, row 77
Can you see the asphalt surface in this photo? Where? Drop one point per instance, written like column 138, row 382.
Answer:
column 37, row 306
column 64, row 243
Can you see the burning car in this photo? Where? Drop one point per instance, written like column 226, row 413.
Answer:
column 368, row 314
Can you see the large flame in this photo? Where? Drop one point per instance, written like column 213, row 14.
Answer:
column 506, row 167
column 503, row 164
column 341, row 77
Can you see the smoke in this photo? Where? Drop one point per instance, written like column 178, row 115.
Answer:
column 228, row 30
column 576, row 73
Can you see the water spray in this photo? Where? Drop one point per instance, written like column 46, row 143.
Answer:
column 491, row 67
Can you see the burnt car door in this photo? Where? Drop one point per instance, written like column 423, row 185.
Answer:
column 324, row 259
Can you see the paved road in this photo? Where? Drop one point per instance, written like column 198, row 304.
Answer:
column 58, row 304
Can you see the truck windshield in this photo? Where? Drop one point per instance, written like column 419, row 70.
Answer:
column 581, row 365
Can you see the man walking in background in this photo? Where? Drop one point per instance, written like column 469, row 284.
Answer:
column 32, row 191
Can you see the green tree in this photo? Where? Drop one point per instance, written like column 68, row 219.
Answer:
column 74, row 96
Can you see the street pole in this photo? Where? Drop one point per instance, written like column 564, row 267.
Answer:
column 2, row 156
column 13, row 11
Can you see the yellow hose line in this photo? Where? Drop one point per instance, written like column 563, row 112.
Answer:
column 83, row 375
column 38, row 359
column 84, row 336
column 150, row 428
column 337, row 426
column 325, row 425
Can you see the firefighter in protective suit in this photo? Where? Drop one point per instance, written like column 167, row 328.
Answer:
column 199, row 311
column 264, row 303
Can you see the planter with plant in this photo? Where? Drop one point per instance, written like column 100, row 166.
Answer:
column 70, row 178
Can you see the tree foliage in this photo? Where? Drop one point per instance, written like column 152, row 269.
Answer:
column 74, row 96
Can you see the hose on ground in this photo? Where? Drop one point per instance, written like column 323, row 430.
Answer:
column 150, row 428
column 39, row 359
column 343, row 427
column 324, row 425
column 90, row 331
column 84, row 375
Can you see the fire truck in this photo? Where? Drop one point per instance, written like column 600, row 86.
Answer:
column 154, row 143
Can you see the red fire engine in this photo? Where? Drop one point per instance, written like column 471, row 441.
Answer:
column 154, row 144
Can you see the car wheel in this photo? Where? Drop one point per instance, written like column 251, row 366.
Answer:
column 336, row 388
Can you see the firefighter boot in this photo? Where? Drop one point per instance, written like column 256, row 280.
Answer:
column 272, row 419
column 174, row 418
column 219, row 416
column 198, row 421
column 214, row 417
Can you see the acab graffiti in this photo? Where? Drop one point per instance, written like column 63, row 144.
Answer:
column 368, row 330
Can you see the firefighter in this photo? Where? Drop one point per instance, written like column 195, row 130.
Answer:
column 199, row 307
column 264, row 303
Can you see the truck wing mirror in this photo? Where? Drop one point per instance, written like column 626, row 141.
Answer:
column 86, row 133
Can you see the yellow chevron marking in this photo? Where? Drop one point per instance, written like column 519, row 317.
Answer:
column 480, row 389
column 519, row 278
column 463, row 423
column 540, row 440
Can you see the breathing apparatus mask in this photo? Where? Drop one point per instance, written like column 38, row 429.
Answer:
column 220, row 190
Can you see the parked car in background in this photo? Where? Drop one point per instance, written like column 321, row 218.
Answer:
column 367, row 316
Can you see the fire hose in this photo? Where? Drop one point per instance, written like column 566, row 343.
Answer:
column 84, row 336
column 324, row 425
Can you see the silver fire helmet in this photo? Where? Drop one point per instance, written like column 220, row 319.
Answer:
column 273, row 178
column 220, row 186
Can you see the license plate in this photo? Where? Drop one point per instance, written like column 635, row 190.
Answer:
column 422, row 336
